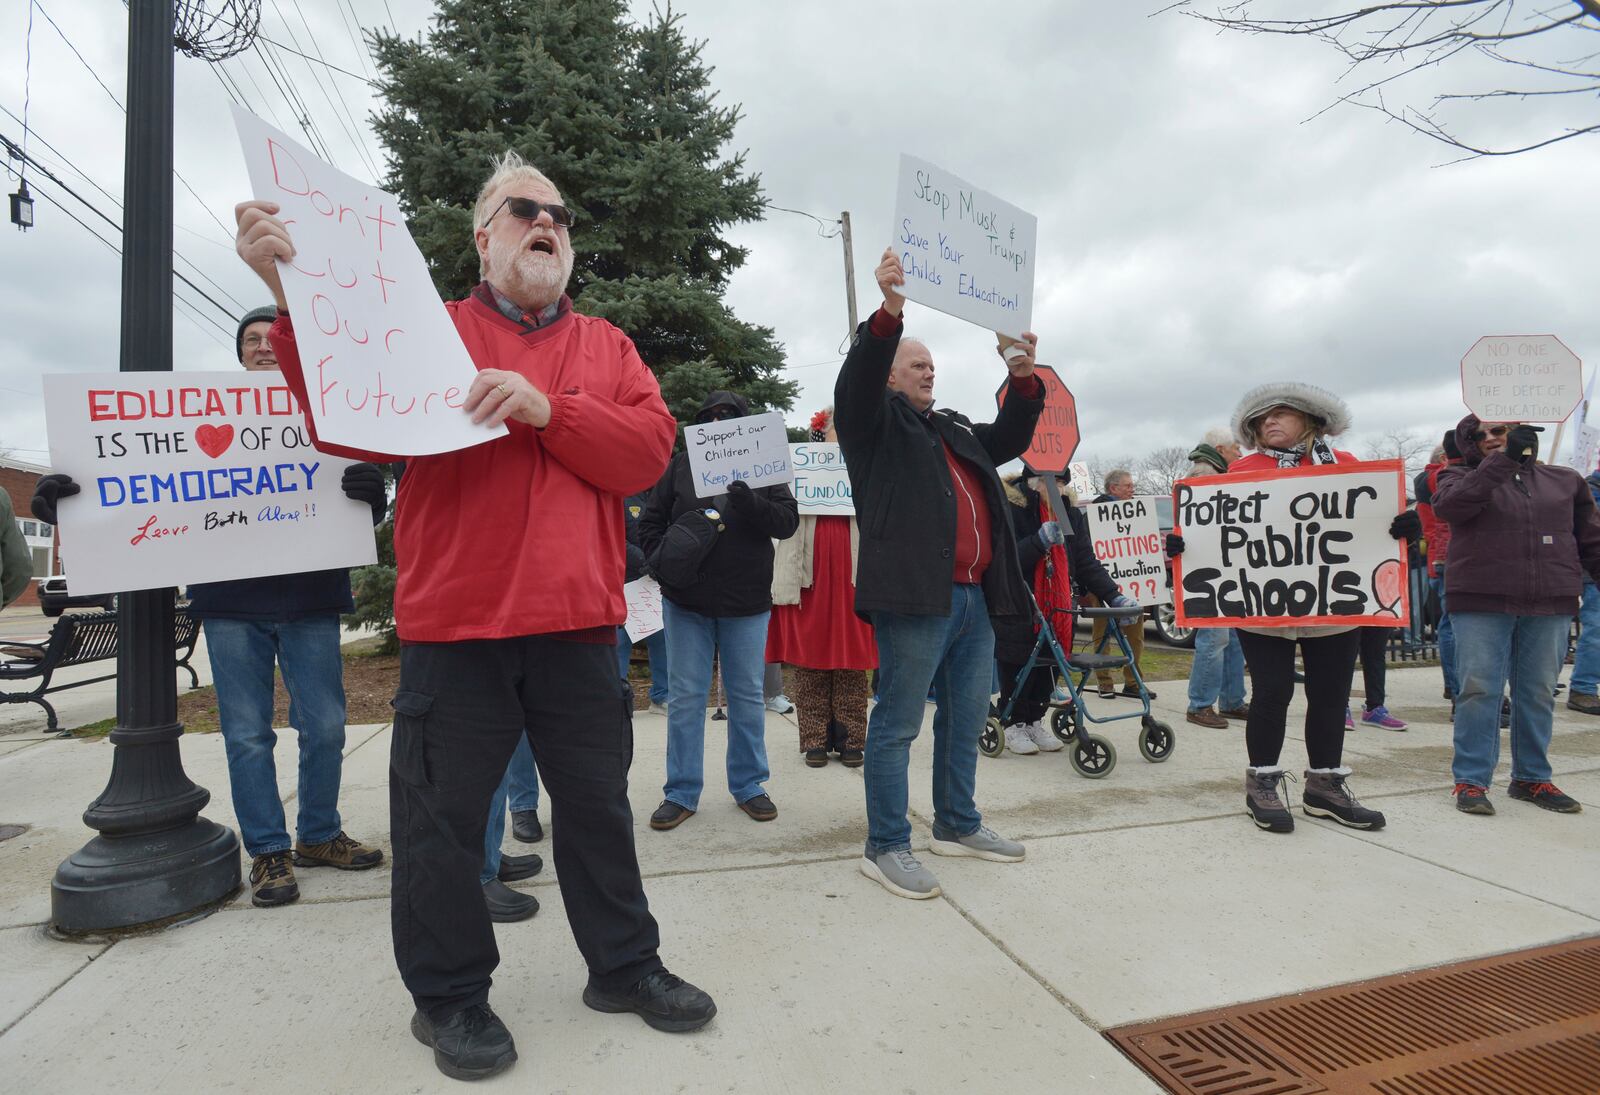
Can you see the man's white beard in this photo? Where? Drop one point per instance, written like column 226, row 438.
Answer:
column 531, row 279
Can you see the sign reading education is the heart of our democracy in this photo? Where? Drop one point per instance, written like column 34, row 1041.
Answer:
column 194, row 477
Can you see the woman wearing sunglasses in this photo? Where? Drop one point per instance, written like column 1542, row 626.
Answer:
column 1522, row 536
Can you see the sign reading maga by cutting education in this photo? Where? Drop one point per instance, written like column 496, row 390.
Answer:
column 1291, row 547
column 965, row 252
column 194, row 477
column 1126, row 537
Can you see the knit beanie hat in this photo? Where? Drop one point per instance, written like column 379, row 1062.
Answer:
column 254, row 315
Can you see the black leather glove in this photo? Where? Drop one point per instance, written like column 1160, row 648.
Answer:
column 1174, row 544
column 364, row 483
column 49, row 492
column 1522, row 442
column 739, row 496
column 1406, row 526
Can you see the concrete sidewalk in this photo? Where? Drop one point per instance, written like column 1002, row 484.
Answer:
column 1145, row 894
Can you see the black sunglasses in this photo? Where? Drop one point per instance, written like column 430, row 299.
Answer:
column 1492, row 431
column 528, row 210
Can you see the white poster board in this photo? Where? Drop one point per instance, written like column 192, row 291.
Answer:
column 1127, row 540
column 1292, row 547
column 754, row 448
column 194, row 477
column 384, row 367
column 1521, row 378
column 1585, row 448
column 644, row 609
column 821, row 481
column 965, row 252
column 1081, row 484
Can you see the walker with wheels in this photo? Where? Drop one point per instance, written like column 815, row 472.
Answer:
column 1092, row 755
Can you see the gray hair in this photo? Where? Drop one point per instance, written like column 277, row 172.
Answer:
column 1219, row 437
column 510, row 167
column 1117, row 475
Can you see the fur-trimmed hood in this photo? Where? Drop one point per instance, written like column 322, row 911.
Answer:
column 1014, row 483
column 1320, row 404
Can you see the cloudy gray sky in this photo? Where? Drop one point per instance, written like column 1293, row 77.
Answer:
column 1197, row 235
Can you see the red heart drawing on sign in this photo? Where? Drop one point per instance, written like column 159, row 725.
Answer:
column 214, row 440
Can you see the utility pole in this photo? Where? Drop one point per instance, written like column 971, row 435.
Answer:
column 849, row 269
column 155, row 859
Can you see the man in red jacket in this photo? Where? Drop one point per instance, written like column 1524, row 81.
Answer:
column 506, row 629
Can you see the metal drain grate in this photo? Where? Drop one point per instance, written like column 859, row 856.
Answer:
column 1526, row 1023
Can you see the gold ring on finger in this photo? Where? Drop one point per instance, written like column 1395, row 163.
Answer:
column 502, row 389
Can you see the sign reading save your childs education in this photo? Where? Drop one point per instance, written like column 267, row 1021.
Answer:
column 1291, row 547
column 194, row 477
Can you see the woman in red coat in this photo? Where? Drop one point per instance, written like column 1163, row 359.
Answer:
column 815, row 628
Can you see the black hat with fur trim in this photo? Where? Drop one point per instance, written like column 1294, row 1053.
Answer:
column 1327, row 411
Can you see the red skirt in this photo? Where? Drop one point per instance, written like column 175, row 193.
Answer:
column 823, row 630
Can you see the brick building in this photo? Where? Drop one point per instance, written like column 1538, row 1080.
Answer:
column 18, row 480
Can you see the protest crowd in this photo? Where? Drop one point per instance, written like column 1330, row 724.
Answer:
column 941, row 583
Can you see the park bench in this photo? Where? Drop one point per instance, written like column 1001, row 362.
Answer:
column 78, row 639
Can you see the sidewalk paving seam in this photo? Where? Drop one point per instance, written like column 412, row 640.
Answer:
column 37, row 1004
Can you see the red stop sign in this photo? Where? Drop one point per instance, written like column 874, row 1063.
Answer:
column 1055, row 438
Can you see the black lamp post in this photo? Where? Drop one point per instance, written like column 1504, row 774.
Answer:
column 155, row 859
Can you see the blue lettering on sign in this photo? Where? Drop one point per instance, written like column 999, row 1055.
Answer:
column 201, row 485
column 946, row 252
column 966, row 287
column 922, row 271
column 907, row 236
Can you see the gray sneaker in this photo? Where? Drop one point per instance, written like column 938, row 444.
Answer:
column 983, row 844
column 901, row 873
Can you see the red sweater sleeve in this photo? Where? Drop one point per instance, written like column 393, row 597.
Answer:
column 281, row 335
column 619, row 445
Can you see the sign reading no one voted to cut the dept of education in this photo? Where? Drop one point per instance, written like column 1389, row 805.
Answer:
column 821, row 481
column 965, row 252
column 1127, row 540
column 1521, row 378
column 194, row 477
column 754, row 448
column 385, row 370
column 1291, row 547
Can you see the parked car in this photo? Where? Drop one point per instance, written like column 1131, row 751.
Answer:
column 54, row 597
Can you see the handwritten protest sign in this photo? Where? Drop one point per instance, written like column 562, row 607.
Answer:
column 644, row 609
column 1127, row 540
column 1521, row 378
column 1081, row 484
column 965, row 252
column 384, row 366
column 1292, row 547
column 821, row 482
column 754, row 448
column 194, row 477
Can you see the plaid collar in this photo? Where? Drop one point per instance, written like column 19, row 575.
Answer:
column 512, row 311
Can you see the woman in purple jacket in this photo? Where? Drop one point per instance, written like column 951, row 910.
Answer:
column 1522, row 534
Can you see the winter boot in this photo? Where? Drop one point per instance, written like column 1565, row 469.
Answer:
column 1263, row 799
column 1327, row 795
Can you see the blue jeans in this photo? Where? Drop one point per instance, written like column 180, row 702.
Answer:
column 955, row 653
column 1586, row 664
column 1490, row 648
column 242, row 653
column 1447, row 640
column 656, row 647
column 1218, row 672
column 692, row 642
column 518, row 782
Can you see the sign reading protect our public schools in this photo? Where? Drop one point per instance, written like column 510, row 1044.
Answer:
column 965, row 251
column 194, row 477
column 1292, row 547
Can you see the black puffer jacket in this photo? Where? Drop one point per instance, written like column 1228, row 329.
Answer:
column 905, row 501
column 1013, row 641
column 736, row 576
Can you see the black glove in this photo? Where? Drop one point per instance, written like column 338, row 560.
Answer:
column 1174, row 544
column 49, row 492
column 1406, row 526
column 739, row 496
column 1522, row 442
column 364, row 483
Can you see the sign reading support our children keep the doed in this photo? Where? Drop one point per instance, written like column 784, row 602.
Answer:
column 194, row 477
column 965, row 252
column 1292, row 547
column 821, row 482
column 385, row 370
column 754, row 448
column 1126, row 537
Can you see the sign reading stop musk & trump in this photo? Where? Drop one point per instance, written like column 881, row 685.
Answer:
column 1055, row 438
column 1291, row 547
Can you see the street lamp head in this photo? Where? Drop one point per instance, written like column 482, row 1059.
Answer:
column 22, row 208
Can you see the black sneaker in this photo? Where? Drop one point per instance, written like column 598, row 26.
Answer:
column 514, row 868
column 473, row 1044
column 816, row 758
column 272, row 881
column 1133, row 690
column 669, row 815
column 661, row 999
column 1545, row 795
column 507, row 906
column 525, row 826
column 1472, row 799
column 852, row 758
